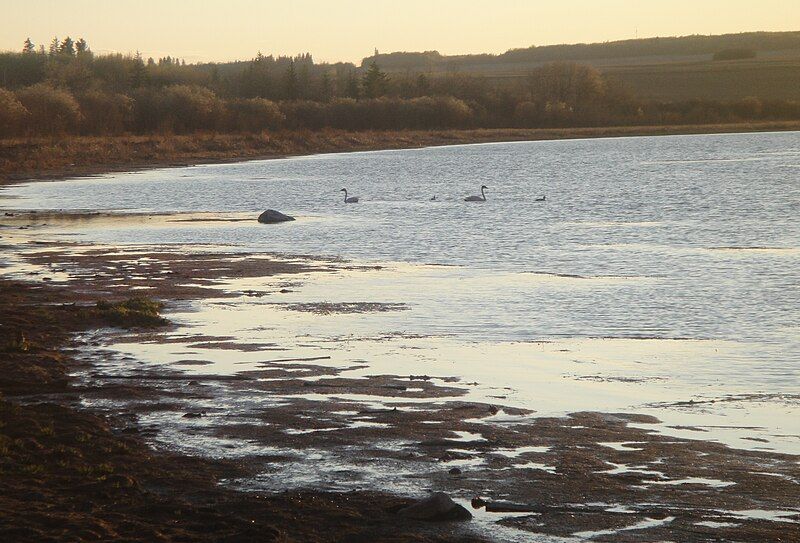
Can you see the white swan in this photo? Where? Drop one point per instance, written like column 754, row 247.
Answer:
column 481, row 198
column 351, row 200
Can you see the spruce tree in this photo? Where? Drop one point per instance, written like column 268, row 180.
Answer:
column 422, row 85
column 374, row 81
column 291, row 81
column 352, row 89
column 326, row 87
column 67, row 47
column 139, row 72
column 81, row 47
column 28, row 47
column 304, row 81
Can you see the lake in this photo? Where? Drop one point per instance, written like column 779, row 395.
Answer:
column 671, row 261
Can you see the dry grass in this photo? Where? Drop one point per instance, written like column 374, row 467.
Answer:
column 43, row 158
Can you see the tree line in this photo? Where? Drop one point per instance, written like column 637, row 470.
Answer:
column 64, row 88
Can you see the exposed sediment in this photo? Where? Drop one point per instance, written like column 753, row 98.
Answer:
column 78, row 419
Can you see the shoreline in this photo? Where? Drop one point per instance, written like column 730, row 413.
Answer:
column 69, row 471
column 364, row 514
column 24, row 160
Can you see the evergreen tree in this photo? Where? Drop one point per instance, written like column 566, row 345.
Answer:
column 53, row 49
column 374, row 81
column 28, row 47
column 304, row 82
column 139, row 73
column 67, row 47
column 326, row 87
column 81, row 47
column 423, row 87
column 291, row 81
column 352, row 89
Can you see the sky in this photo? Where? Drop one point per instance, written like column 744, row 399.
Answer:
column 349, row 30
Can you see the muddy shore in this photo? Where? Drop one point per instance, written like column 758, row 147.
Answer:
column 79, row 463
column 76, row 156
column 71, row 475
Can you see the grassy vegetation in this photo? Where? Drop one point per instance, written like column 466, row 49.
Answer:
column 22, row 159
column 17, row 344
column 132, row 313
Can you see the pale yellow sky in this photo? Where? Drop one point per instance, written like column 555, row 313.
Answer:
column 203, row 30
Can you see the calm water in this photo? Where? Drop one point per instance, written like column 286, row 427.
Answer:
column 650, row 223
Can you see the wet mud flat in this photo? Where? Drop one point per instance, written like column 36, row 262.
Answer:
column 300, row 423
column 75, row 474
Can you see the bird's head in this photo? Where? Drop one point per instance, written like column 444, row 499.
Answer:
column 484, row 187
column 343, row 190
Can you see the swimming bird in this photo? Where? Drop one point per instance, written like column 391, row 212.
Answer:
column 434, row 198
column 351, row 200
column 481, row 198
column 542, row 199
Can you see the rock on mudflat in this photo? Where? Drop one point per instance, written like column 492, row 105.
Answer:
column 271, row 216
column 437, row 507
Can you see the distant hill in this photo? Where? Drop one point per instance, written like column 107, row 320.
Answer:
column 725, row 67
column 683, row 46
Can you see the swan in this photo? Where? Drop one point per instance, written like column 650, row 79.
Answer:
column 481, row 198
column 434, row 198
column 351, row 200
column 542, row 199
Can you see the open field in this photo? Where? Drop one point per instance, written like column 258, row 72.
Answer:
column 668, row 69
column 707, row 80
column 772, row 77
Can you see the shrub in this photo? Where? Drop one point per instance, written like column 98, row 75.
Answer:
column 443, row 112
column 734, row 54
column 253, row 115
column 187, row 108
column 527, row 114
column 748, row 108
column 12, row 114
column 304, row 114
column 52, row 111
column 105, row 113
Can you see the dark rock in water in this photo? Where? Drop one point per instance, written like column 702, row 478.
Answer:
column 454, row 471
column 194, row 415
column 508, row 507
column 478, row 502
column 271, row 216
column 437, row 507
